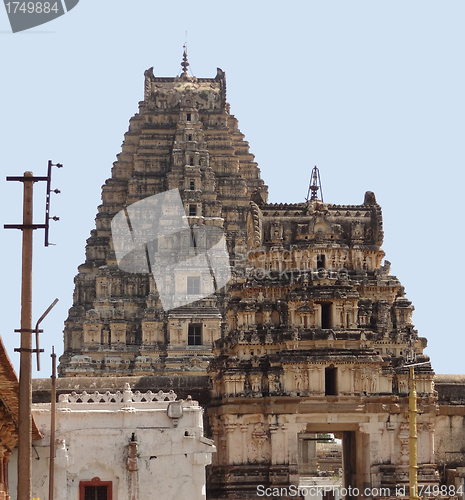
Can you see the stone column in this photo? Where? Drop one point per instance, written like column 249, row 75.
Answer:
column 293, row 453
column 229, row 428
column 285, row 428
column 391, row 427
column 321, row 381
column 343, row 379
column 363, row 457
column 404, row 443
column 244, row 428
column 352, row 380
column 312, row 459
column 311, row 379
column 431, row 430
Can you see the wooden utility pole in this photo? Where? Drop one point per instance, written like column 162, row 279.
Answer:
column 26, row 330
column 25, row 371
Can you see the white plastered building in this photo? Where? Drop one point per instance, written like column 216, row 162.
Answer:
column 121, row 446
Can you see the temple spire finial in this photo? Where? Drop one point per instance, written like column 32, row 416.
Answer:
column 185, row 62
column 314, row 186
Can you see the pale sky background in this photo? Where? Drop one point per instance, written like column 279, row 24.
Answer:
column 372, row 92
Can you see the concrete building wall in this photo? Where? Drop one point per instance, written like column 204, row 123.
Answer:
column 144, row 446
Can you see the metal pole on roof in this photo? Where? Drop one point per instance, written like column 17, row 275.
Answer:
column 413, row 438
column 51, row 477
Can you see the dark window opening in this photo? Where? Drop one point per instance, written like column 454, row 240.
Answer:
column 320, row 261
column 191, row 161
column 193, row 243
column 96, row 493
column 95, row 490
column 192, row 210
column 189, row 137
column 188, row 117
column 193, row 285
column 192, row 185
column 330, row 381
column 326, row 316
column 194, row 335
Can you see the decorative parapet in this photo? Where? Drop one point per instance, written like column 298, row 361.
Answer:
column 127, row 396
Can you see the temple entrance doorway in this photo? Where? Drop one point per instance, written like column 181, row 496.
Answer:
column 327, row 465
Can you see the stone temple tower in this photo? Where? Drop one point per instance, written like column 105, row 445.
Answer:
column 183, row 138
column 310, row 334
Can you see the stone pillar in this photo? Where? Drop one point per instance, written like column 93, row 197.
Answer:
column 285, row 428
column 370, row 433
column 391, row 427
column 244, row 428
column 321, row 381
column 363, row 458
column 229, row 428
column 274, row 443
column 352, row 380
column 343, row 380
column 431, row 431
column 293, row 453
column 317, row 308
column 404, row 443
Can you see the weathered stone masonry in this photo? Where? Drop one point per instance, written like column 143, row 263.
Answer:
column 309, row 336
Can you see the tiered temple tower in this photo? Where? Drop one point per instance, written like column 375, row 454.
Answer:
column 310, row 334
column 183, row 138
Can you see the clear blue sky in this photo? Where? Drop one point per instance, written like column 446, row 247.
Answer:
column 372, row 92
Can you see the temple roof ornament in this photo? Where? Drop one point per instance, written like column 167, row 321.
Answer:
column 315, row 185
column 185, row 64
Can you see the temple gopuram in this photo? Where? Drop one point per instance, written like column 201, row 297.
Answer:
column 308, row 339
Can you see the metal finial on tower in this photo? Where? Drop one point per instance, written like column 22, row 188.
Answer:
column 185, row 62
column 314, row 186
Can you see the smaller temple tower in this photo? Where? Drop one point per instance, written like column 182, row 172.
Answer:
column 317, row 332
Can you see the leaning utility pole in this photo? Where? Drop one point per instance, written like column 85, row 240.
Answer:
column 25, row 369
